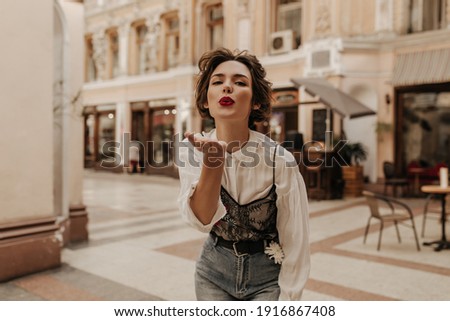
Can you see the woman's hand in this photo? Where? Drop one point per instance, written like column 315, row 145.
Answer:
column 204, row 201
column 213, row 150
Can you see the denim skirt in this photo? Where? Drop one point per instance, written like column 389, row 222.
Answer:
column 222, row 275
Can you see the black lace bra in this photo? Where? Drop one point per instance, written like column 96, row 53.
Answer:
column 253, row 221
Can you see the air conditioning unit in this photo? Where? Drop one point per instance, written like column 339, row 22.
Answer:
column 281, row 42
column 320, row 59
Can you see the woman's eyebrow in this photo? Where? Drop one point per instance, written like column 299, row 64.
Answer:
column 234, row 76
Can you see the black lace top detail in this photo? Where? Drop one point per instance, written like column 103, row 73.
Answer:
column 249, row 222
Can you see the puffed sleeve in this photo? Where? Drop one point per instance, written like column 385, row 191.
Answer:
column 293, row 229
column 189, row 169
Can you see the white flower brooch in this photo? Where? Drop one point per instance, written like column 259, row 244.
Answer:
column 275, row 252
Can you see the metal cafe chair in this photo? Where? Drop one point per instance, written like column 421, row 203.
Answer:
column 392, row 211
column 433, row 208
column 391, row 180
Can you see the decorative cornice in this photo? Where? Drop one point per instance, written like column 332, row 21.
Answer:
column 392, row 41
column 109, row 9
column 171, row 5
column 184, row 71
column 288, row 58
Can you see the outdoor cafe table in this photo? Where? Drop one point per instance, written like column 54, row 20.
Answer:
column 442, row 244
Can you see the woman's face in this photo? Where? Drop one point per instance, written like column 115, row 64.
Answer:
column 230, row 92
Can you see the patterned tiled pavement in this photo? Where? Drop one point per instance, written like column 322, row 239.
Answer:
column 140, row 249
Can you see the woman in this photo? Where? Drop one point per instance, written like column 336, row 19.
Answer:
column 242, row 189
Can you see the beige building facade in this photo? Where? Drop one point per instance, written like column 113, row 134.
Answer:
column 140, row 67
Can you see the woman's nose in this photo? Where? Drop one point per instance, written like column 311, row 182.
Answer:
column 227, row 88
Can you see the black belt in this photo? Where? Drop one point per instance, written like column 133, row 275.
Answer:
column 241, row 247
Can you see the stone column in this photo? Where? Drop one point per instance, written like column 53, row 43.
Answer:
column 124, row 36
column 29, row 238
column 76, row 225
column 401, row 16
column 99, row 56
column 244, row 29
column 447, row 6
column 384, row 16
column 185, row 35
column 122, row 125
column 151, row 42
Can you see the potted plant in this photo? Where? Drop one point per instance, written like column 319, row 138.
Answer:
column 353, row 154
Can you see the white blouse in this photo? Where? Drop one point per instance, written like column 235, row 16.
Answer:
column 248, row 175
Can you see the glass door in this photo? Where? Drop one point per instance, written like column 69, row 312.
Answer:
column 138, row 133
column 283, row 121
column 425, row 128
column 89, row 140
column 106, row 134
column 163, row 129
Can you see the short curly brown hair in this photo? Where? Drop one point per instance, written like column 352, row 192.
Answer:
column 261, row 87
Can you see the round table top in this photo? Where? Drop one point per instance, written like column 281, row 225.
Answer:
column 417, row 170
column 435, row 189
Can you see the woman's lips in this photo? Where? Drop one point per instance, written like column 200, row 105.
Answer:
column 226, row 101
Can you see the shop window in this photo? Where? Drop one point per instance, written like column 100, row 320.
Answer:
column 284, row 117
column 138, row 126
column 141, row 53
column 283, row 121
column 319, row 124
column 163, row 129
column 172, row 40
column 89, row 140
column 426, row 128
column 113, row 53
column 139, row 133
column 106, row 133
column 426, row 15
column 214, row 26
column 99, row 129
column 287, row 16
column 90, row 69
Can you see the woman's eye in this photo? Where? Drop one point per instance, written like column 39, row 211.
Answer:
column 241, row 83
column 217, row 82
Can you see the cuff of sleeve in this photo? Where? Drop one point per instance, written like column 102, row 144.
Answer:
column 220, row 212
column 285, row 297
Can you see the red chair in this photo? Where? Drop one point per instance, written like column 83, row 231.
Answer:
column 429, row 175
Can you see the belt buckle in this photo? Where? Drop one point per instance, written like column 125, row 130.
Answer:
column 236, row 252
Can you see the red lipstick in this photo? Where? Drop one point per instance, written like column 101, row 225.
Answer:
column 226, row 101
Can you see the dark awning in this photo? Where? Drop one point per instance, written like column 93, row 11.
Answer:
column 423, row 67
column 333, row 97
